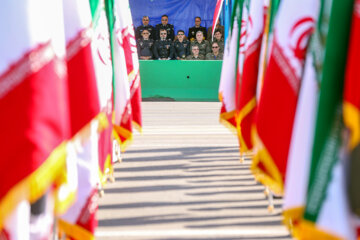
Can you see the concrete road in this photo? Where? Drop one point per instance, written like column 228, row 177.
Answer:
column 182, row 179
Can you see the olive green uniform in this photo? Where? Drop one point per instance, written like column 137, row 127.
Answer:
column 204, row 47
column 192, row 57
column 211, row 56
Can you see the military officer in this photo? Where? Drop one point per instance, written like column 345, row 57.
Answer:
column 163, row 48
column 147, row 26
column 181, row 46
column 218, row 26
column 204, row 45
column 164, row 25
column 215, row 54
column 193, row 30
column 219, row 40
column 145, row 46
column 195, row 54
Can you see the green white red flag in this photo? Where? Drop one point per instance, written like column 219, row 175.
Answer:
column 294, row 24
column 128, row 43
column 297, row 172
column 79, row 221
column 327, row 214
column 34, row 99
column 101, row 52
column 247, row 93
column 227, row 87
column 122, row 102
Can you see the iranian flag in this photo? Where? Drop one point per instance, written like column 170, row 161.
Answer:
column 101, row 52
column 122, row 98
column 128, row 42
column 294, row 24
column 79, row 221
column 327, row 214
column 297, row 171
column 247, row 93
column 351, row 104
column 229, row 71
column 270, row 10
column 33, row 101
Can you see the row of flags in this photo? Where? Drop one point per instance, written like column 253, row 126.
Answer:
column 69, row 88
column 290, row 90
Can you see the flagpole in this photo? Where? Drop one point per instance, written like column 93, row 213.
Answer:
column 263, row 57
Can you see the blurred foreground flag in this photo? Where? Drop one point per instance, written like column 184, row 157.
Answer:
column 327, row 214
column 352, row 109
column 79, row 221
column 294, row 24
column 33, row 101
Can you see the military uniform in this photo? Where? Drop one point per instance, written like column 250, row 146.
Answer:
column 204, row 46
column 140, row 29
column 211, row 56
column 220, row 43
column 209, row 32
column 163, row 49
column 194, row 30
column 145, row 47
column 181, row 49
column 192, row 57
column 169, row 29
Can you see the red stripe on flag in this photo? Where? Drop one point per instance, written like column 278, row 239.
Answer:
column 82, row 82
column 276, row 112
column 217, row 11
column 247, row 101
column 35, row 121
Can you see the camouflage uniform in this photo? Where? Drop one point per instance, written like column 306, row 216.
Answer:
column 204, row 47
column 192, row 57
column 211, row 56
column 220, row 43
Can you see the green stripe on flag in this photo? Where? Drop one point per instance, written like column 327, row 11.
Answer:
column 329, row 121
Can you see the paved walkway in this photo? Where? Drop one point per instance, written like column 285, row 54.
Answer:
column 182, row 179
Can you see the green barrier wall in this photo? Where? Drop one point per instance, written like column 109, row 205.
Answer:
column 180, row 80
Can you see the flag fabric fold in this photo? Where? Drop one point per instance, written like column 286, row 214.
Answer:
column 101, row 52
column 247, row 93
column 85, row 120
column 294, row 24
column 229, row 71
column 34, row 99
column 126, row 72
column 327, row 214
column 297, row 171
